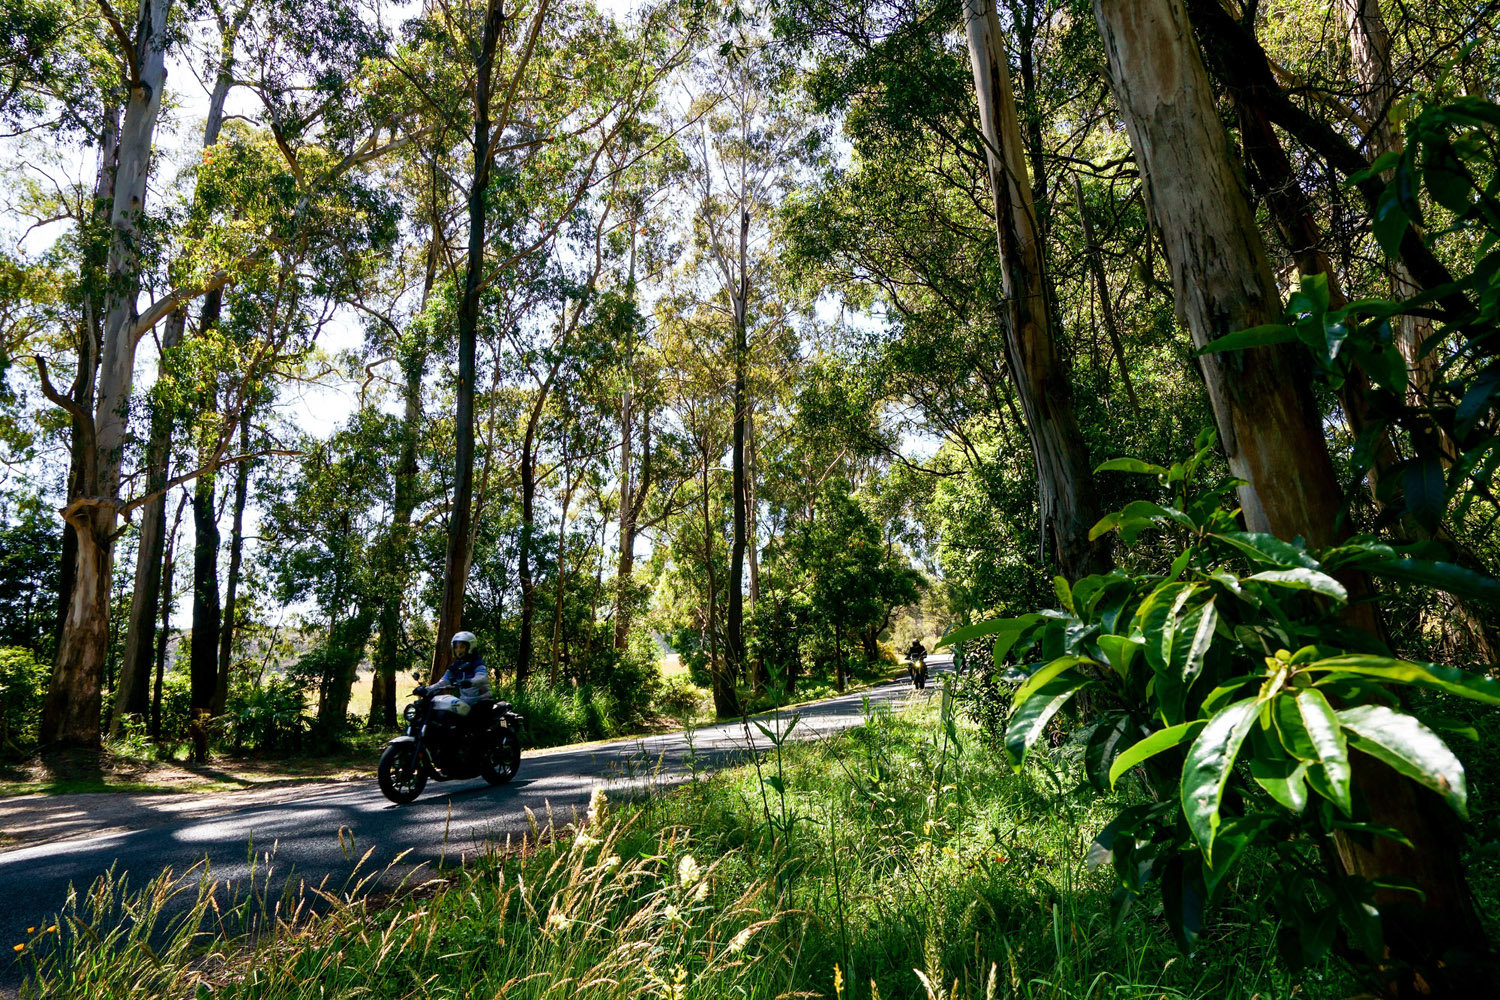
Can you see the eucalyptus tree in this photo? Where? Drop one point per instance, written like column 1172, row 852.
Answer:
column 71, row 711
column 743, row 158
column 1069, row 507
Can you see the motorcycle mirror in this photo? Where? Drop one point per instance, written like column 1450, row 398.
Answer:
column 416, row 675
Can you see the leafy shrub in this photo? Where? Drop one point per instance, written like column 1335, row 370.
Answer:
column 23, row 685
column 176, row 699
column 266, row 717
column 1235, row 686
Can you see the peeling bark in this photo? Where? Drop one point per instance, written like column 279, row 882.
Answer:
column 1065, row 487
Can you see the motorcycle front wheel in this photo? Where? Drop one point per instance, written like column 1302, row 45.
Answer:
column 401, row 775
column 502, row 758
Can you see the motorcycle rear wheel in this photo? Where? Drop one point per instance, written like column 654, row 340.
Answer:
column 502, row 758
column 401, row 775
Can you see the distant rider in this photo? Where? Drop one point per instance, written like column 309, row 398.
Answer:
column 467, row 672
column 916, row 655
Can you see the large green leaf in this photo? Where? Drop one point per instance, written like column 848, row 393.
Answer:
column 1409, row 747
column 1303, row 578
column 1145, row 510
column 1256, row 336
column 1268, row 549
column 1473, row 686
column 1131, row 465
column 1209, row 762
column 1154, row 618
column 1330, row 748
column 1284, row 780
column 1120, row 650
column 1162, row 739
column 1443, row 576
column 979, row 630
column 1044, row 676
column 1191, row 639
column 1030, row 718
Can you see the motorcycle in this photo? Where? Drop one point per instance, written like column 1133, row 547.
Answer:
column 449, row 739
column 916, row 669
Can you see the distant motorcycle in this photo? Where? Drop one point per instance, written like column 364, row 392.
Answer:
column 449, row 739
column 916, row 669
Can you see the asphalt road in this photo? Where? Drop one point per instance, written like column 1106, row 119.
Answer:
column 322, row 835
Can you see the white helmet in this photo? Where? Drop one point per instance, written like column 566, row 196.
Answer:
column 459, row 637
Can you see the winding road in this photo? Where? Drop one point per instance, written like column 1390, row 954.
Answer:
column 317, row 834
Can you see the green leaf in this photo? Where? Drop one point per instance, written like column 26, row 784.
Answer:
column 1030, row 719
column 979, row 630
column 1106, row 524
column 1302, row 578
column 1044, row 676
column 1154, row 617
column 1141, row 510
column 1064, row 593
column 1180, row 563
column 1390, row 220
column 1409, row 747
column 1104, row 744
column 1209, row 762
column 1444, row 576
column 1426, row 490
column 1321, row 726
column 1284, row 780
column 1475, row 687
column 1182, row 897
column 1143, row 750
column 1382, row 163
column 1268, row 549
column 1131, row 465
column 1120, row 651
column 1191, row 639
column 1256, row 336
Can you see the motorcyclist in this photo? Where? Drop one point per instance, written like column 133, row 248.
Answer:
column 466, row 672
column 916, row 657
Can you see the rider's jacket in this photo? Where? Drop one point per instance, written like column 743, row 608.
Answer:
column 469, row 667
column 917, row 651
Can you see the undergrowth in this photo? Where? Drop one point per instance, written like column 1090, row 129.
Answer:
column 896, row 860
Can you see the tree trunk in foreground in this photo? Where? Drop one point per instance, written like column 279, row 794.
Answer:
column 1271, row 429
column 70, row 714
column 456, row 562
column 1065, row 485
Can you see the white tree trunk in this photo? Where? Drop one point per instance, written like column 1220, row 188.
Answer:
column 71, row 713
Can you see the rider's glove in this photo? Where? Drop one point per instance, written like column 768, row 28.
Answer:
column 420, row 692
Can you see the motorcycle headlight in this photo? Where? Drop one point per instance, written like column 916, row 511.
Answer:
column 409, row 713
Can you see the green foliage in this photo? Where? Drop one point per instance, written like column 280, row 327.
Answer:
column 23, row 684
column 266, row 717
column 1238, row 687
column 30, row 554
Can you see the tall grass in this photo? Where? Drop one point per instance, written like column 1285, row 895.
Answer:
column 895, row 861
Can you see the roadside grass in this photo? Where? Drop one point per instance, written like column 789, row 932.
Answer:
column 889, row 861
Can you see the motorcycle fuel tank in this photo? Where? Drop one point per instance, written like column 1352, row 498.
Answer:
column 449, row 703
